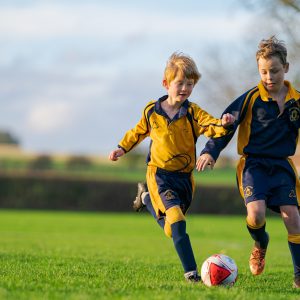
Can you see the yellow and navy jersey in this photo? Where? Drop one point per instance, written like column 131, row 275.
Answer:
column 263, row 130
column 173, row 141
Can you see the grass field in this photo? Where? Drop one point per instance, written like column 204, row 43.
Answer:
column 64, row 255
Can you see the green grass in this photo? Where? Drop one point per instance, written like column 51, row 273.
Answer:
column 64, row 255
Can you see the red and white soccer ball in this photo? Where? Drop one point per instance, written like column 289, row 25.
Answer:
column 219, row 269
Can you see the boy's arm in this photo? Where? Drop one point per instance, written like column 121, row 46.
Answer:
column 132, row 137
column 214, row 146
column 203, row 161
column 210, row 126
column 227, row 120
column 115, row 154
column 135, row 135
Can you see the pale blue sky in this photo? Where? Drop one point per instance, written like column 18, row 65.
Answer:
column 75, row 75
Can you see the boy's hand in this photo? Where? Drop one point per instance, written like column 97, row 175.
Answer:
column 203, row 161
column 115, row 154
column 227, row 120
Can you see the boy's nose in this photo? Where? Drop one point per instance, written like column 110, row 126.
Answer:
column 269, row 76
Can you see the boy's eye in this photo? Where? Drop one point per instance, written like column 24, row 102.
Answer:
column 271, row 71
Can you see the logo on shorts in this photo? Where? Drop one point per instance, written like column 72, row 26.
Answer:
column 248, row 191
column 169, row 195
column 294, row 114
column 292, row 194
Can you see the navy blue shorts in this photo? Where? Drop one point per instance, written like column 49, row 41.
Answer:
column 271, row 179
column 168, row 189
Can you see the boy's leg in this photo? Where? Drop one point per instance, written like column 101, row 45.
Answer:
column 182, row 242
column 174, row 226
column 164, row 188
column 143, row 200
column 291, row 218
column 147, row 202
column 256, row 225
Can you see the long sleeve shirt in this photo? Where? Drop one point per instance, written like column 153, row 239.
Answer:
column 263, row 131
column 173, row 141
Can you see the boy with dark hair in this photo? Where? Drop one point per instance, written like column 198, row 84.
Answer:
column 268, row 117
column 173, row 124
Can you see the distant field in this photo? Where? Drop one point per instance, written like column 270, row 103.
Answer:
column 58, row 255
column 98, row 170
column 224, row 176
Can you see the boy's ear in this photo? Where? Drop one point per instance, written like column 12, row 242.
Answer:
column 165, row 83
column 287, row 66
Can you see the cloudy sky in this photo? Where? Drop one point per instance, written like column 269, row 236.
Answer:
column 75, row 75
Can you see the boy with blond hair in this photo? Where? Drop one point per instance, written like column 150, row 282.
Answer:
column 173, row 124
column 268, row 117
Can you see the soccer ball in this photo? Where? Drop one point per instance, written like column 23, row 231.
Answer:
column 219, row 269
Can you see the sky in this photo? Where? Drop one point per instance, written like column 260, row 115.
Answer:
column 75, row 75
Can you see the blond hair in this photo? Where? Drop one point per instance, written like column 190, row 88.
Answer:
column 182, row 64
column 272, row 47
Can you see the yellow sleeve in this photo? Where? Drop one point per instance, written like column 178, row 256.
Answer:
column 207, row 124
column 137, row 134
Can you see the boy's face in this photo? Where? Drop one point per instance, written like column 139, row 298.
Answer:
column 272, row 72
column 180, row 88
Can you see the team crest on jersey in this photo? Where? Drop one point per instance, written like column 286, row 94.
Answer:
column 169, row 195
column 248, row 191
column 292, row 194
column 154, row 125
column 294, row 114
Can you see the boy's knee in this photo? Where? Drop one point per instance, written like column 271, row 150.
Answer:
column 256, row 220
column 173, row 215
column 256, row 213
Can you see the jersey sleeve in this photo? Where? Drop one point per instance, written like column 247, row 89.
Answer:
column 216, row 144
column 136, row 135
column 207, row 124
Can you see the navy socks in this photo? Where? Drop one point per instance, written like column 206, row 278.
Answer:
column 259, row 235
column 295, row 251
column 147, row 202
column 180, row 238
column 183, row 246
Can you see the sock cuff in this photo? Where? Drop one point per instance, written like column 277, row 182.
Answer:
column 174, row 214
column 294, row 238
column 144, row 194
column 253, row 226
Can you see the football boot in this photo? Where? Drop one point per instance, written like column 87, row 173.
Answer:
column 296, row 284
column 257, row 259
column 138, row 204
column 192, row 276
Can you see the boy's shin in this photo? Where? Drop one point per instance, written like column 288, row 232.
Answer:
column 258, row 233
column 294, row 245
column 183, row 246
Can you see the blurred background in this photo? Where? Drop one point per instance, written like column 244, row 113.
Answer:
column 75, row 75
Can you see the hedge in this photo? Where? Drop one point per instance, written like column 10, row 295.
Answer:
column 38, row 191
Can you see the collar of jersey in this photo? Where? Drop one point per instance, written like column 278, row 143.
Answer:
column 291, row 94
column 182, row 111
